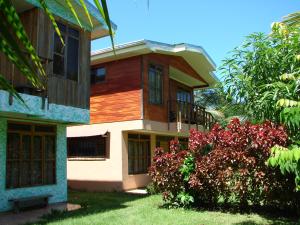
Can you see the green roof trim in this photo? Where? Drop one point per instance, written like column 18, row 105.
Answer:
column 61, row 9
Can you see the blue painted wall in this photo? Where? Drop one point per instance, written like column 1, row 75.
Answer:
column 58, row 191
column 51, row 112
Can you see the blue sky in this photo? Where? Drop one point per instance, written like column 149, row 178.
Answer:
column 216, row 25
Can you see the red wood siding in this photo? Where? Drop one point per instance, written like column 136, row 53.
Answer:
column 118, row 98
column 160, row 112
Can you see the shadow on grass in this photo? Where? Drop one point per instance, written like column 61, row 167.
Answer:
column 273, row 215
column 251, row 222
column 91, row 203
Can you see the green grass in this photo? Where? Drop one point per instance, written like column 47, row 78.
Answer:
column 121, row 208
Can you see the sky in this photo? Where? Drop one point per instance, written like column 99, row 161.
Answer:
column 216, row 25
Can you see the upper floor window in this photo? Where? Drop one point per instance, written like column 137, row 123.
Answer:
column 66, row 58
column 155, row 81
column 98, row 75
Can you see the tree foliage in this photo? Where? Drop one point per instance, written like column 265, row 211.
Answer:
column 263, row 76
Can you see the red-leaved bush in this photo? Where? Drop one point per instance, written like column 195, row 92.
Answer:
column 230, row 167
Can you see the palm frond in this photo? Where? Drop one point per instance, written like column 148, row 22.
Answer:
column 51, row 17
column 104, row 13
column 292, row 19
column 73, row 12
column 86, row 12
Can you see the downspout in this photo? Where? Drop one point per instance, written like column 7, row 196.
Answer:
column 142, row 87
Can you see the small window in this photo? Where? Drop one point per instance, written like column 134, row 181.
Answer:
column 155, row 83
column 98, row 75
column 66, row 58
column 88, row 147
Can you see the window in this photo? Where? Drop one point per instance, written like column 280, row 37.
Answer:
column 139, row 156
column 31, row 155
column 164, row 142
column 89, row 147
column 155, row 80
column 65, row 58
column 98, row 75
column 184, row 96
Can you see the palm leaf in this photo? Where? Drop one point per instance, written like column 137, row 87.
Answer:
column 10, row 47
column 73, row 12
column 86, row 12
column 104, row 13
column 51, row 17
column 11, row 16
column 292, row 19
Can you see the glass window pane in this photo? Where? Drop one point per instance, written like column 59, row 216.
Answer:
column 50, row 147
column 13, row 146
column 58, row 65
column 26, row 147
column 72, row 59
column 25, row 174
column 50, row 172
column 58, row 46
column 36, row 177
column 73, row 32
column 100, row 74
column 37, row 147
column 61, row 27
column 12, row 175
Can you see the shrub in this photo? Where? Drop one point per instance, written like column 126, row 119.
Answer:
column 225, row 165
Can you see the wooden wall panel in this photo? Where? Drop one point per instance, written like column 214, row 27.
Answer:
column 60, row 91
column 156, row 112
column 118, row 98
column 160, row 112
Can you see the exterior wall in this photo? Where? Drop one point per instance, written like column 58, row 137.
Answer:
column 111, row 174
column 156, row 112
column 58, row 191
column 101, row 174
column 118, row 98
column 160, row 112
column 33, row 109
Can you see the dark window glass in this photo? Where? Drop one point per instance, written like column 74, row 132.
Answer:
column 66, row 58
column 74, row 33
column 155, row 80
column 72, row 59
column 30, row 157
column 139, row 154
column 98, row 75
column 61, row 27
column 94, row 146
column 58, row 65
column 19, row 127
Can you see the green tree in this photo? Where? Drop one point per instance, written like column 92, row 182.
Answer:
column 263, row 76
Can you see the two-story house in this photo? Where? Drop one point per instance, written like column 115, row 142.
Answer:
column 142, row 96
column 33, row 140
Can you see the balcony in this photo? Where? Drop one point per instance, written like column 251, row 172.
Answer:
column 181, row 112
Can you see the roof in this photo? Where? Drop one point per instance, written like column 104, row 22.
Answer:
column 61, row 9
column 194, row 55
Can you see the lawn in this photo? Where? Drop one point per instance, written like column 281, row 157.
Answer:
column 121, row 208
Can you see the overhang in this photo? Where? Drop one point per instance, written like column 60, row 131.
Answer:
column 61, row 9
column 194, row 55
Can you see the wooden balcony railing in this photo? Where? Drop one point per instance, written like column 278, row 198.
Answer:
column 184, row 112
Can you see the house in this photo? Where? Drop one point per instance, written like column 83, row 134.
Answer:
column 141, row 98
column 33, row 137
